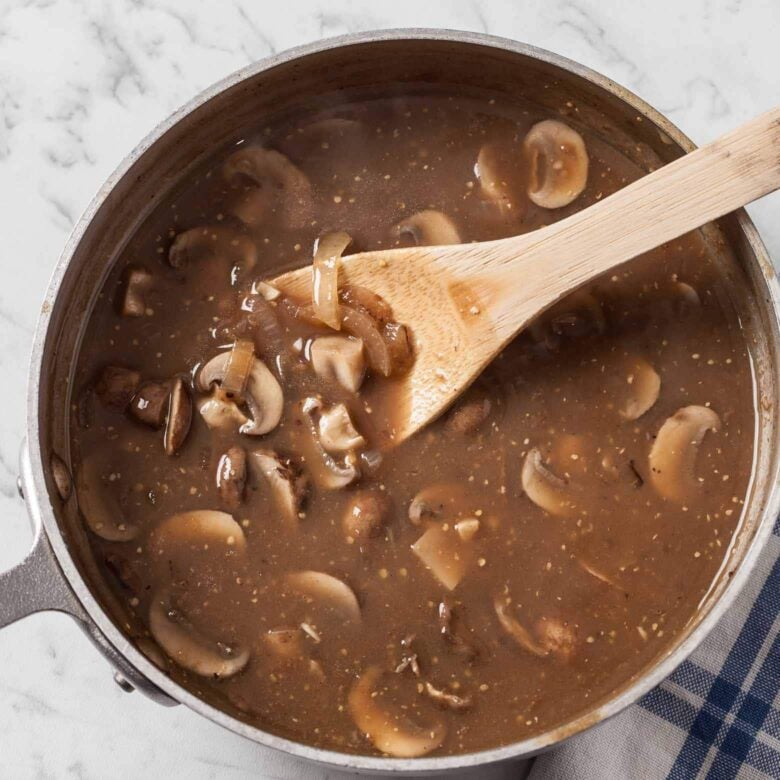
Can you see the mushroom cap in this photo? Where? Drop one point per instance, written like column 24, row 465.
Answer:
column 644, row 385
column 197, row 529
column 326, row 470
column 212, row 243
column 337, row 431
column 219, row 413
column 187, row 646
column 494, row 186
column 339, row 359
column 231, row 477
column 327, row 590
column 61, row 476
column 177, row 426
column 521, row 635
column 674, row 452
column 558, row 164
column 274, row 174
column 544, row 488
column 444, row 554
column 98, row 505
column 365, row 515
column 285, row 480
column 393, row 733
column 264, row 397
column 429, row 228
column 439, row 501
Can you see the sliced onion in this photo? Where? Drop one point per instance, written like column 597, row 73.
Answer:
column 325, row 276
column 400, row 345
column 303, row 312
column 363, row 326
column 356, row 296
column 516, row 630
column 263, row 320
column 238, row 368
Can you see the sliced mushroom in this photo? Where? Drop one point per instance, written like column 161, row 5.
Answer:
column 231, row 477
column 556, row 636
column 177, row 425
column 571, row 456
column 673, row 454
column 220, row 413
column 138, row 281
column 150, row 404
column 558, row 164
column 337, row 431
column 687, row 299
column 493, row 186
column 392, row 732
column 444, row 554
column 366, row 515
column 336, row 475
column 578, row 315
column 285, row 644
column 211, row 244
column 268, row 291
column 263, row 396
column 200, row 529
column 441, row 500
column 467, row 529
column 447, row 699
column 339, row 359
column 98, row 505
column 544, row 488
column 286, row 481
column 429, row 228
column 327, row 471
column 644, row 387
column 516, row 630
column 61, row 476
column 327, row 590
column 187, row 646
column 116, row 386
column 281, row 184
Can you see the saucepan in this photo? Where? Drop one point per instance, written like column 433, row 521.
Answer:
column 60, row 573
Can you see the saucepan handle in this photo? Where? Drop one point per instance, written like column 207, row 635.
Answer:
column 36, row 585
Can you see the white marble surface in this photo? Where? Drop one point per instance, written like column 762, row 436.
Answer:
column 80, row 83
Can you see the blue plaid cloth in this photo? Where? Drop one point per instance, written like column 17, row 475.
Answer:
column 716, row 717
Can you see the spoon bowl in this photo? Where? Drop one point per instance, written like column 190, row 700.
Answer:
column 465, row 302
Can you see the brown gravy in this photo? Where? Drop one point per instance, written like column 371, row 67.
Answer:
column 579, row 529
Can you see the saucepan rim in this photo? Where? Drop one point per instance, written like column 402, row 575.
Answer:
column 654, row 675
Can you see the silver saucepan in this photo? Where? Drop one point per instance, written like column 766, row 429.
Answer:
column 60, row 573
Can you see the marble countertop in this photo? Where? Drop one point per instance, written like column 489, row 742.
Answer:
column 81, row 81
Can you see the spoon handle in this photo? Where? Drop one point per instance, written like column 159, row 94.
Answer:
column 685, row 194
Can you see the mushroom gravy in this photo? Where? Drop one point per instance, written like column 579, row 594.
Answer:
column 501, row 572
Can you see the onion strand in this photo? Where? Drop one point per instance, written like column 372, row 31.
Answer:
column 325, row 276
column 238, row 368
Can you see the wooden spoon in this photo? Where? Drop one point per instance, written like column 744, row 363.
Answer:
column 465, row 302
